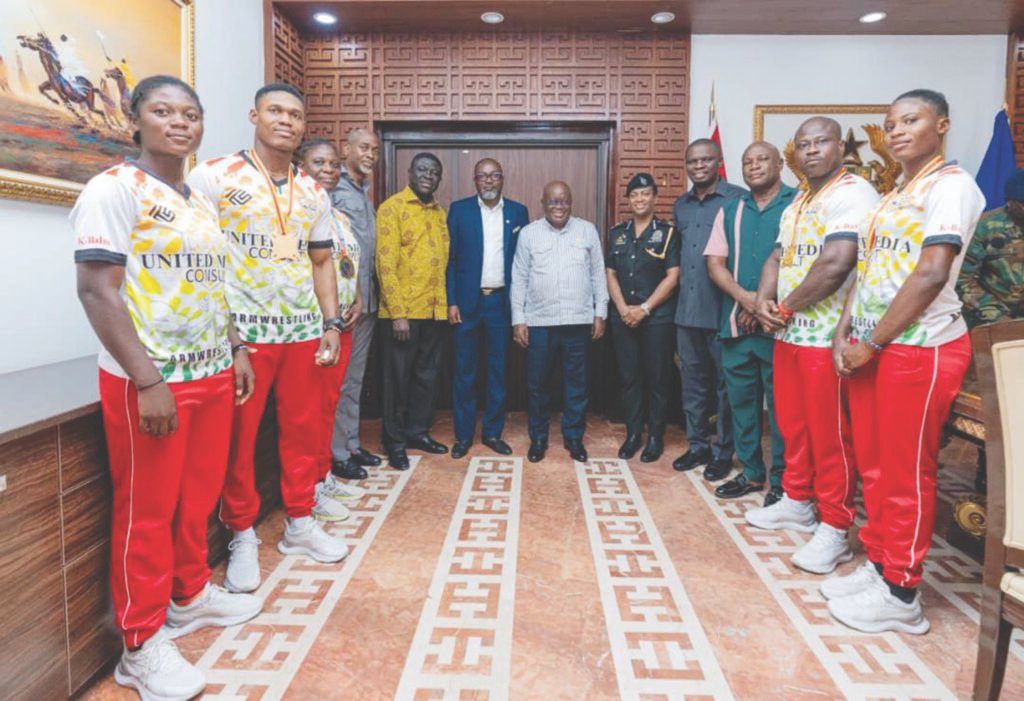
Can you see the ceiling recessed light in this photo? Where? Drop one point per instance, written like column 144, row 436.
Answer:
column 492, row 17
column 663, row 17
column 872, row 17
column 325, row 18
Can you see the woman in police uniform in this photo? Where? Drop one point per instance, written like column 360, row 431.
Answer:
column 643, row 273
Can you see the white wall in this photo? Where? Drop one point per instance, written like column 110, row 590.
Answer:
column 42, row 320
column 751, row 70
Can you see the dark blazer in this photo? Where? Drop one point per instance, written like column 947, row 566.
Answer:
column 466, row 249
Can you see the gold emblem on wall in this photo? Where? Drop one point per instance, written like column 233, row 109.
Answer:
column 881, row 172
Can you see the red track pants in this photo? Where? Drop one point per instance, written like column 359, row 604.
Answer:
column 810, row 413
column 164, row 492
column 331, row 393
column 291, row 369
column 898, row 405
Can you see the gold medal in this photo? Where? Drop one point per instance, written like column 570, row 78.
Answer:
column 284, row 247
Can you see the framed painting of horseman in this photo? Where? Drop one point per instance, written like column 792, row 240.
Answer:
column 67, row 69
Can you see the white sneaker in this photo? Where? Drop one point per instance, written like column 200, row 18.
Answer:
column 786, row 514
column 326, row 507
column 828, row 548
column 304, row 536
column 874, row 609
column 214, row 607
column 158, row 671
column 334, row 487
column 243, row 572
column 847, row 585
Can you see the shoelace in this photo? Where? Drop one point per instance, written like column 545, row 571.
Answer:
column 162, row 653
column 240, row 542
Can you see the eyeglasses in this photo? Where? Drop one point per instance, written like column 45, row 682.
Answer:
column 496, row 177
column 558, row 203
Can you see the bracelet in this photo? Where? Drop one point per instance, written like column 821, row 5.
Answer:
column 238, row 347
column 333, row 328
column 785, row 313
column 876, row 347
column 151, row 384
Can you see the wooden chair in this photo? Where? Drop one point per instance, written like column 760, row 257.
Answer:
column 999, row 354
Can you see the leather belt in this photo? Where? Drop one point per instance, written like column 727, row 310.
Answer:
column 488, row 291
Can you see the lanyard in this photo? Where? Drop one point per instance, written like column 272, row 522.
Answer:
column 282, row 218
column 872, row 235
column 804, row 204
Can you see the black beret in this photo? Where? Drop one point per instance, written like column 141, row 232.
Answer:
column 641, row 180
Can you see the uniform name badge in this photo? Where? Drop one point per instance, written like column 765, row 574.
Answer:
column 284, row 247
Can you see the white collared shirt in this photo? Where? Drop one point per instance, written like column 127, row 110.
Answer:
column 493, row 273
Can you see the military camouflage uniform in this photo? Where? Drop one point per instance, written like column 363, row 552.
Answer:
column 991, row 282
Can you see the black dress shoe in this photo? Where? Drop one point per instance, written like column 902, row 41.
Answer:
column 629, row 447
column 691, row 460
column 737, row 487
column 498, row 446
column 718, row 469
column 537, row 450
column 774, row 494
column 655, row 447
column 365, row 458
column 576, row 450
column 460, row 449
column 348, row 469
column 426, row 444
column 398, row 459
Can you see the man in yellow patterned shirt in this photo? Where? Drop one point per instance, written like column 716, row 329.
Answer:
column 412, row 252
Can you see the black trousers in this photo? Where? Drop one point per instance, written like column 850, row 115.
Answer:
column 410, row 373
column 644, row 356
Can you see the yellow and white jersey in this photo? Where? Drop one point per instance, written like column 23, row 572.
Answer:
column 345, row 251
column 175, row 260
column 271, row 299
column 835, row 212
column 941, row 207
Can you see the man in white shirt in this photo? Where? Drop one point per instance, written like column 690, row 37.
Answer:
column 559, row 303
column 483, row 231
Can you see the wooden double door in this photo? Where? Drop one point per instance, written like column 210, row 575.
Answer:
column 531, row 155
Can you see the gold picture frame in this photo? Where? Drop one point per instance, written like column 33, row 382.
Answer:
column 861, row 126
column 78, row 49
column 760, row 111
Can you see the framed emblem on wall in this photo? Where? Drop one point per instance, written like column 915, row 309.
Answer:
column 67, row 69
column 861, row 125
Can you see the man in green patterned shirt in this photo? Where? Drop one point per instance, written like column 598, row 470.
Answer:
column 991, row 282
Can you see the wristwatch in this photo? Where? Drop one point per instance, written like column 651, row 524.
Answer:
column 646, row 308
column 335, row 322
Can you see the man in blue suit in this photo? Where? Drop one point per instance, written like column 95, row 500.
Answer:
column 483, row 232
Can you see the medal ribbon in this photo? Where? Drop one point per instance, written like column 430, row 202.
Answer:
column 872, row 237
column 282, row 219
column 807, row 203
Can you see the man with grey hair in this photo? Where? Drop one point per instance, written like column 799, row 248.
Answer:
column 483, row 231
column 352, row 196
column 559, row 303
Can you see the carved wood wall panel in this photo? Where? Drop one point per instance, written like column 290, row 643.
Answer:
column 1015, row 97
column 288, row 58
column 640, row 82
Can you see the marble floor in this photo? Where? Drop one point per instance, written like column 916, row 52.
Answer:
column 494, row 578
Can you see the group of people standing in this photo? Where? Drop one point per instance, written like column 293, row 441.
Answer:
column 270, row 268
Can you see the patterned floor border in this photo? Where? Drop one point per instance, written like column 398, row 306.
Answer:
column 259, row 659
column 862, row 666
column 658, row 645
column 463, row 642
